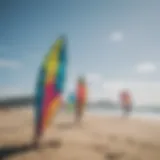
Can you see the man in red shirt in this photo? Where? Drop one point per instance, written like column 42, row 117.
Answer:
column 126, row 102
column 81, row 95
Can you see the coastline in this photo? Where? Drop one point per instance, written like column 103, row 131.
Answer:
column 98, row 137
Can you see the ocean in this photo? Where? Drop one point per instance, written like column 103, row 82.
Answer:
column 145, row 112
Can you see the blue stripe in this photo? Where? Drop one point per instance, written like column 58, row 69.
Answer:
column 39, row 97
column 60, row 79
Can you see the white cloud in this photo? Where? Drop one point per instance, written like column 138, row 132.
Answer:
column 143, row 93
column 116, row 36
column 93, row 82
column 94, row 78
column 146, row 67
column 12, row 64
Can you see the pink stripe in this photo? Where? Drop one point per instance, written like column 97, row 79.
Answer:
column 50, row 93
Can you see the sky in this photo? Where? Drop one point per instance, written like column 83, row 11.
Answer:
column 115, row 44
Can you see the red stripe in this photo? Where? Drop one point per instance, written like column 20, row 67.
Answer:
column 48, row 97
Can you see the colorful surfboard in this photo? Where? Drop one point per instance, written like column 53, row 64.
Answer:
column 50, row 85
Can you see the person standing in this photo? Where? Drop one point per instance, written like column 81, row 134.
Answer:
column 126, row 102
column 81, row 97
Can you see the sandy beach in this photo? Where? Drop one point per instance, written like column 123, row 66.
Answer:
column 97, row 138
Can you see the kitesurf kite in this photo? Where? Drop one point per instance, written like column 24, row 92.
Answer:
column 50, row 85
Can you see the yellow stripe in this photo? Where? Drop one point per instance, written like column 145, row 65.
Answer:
column 53, row 53
column 51, row 62
column 51, row 71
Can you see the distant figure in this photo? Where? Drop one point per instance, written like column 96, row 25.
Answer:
column 126, row 102
column 81, row 97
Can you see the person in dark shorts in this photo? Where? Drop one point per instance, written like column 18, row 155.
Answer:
column 126, row 103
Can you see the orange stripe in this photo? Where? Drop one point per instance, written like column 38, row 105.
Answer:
column 54, row 105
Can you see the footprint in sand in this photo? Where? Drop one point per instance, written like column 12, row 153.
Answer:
column 52, row 144
column 100, row 148
column 92, row 133
column 149, row 145
column 114, row 155
column 130, row 141
column 113, row 138
column 55, row 144
column 65, row 126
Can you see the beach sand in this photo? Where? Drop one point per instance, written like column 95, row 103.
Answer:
column 97, row 138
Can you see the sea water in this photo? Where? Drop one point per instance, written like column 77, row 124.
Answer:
column 108, row 111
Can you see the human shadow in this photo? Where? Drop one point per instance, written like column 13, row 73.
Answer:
column 114, row 155
column 12, row 150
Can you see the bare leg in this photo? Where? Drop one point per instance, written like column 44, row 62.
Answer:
column 77, row 114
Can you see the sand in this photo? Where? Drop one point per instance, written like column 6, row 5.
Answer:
column 97, row 138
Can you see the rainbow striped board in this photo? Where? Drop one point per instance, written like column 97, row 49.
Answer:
column 50, row 85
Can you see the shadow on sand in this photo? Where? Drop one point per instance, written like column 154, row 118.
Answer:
column 12, row 150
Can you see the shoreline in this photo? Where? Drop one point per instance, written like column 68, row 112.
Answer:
column 97, row 138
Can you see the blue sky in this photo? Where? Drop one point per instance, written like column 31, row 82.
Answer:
column 110, row 41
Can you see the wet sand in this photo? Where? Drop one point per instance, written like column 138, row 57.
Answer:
column 97, row 138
